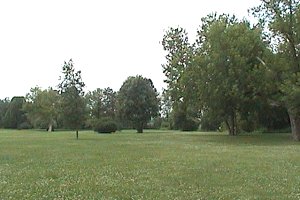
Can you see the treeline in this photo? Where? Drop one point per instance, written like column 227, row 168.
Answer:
column 68, row 107
column 235, row 76
column 241, row 76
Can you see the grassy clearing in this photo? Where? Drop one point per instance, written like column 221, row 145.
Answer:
column 154, row 165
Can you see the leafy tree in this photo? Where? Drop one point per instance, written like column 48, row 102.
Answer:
column 109, row 103
column 94, row 103
column 281, row 17
column 229, row 68
column 3, row 108
column 15, row 116
column 42, row 107
column 138, row 102
column 72, row 103
column 180, row 56
column 101, row 104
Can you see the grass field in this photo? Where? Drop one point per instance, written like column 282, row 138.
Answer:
column 153, row 165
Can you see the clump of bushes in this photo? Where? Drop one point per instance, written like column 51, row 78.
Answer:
column 105, row 125
column 24, row 125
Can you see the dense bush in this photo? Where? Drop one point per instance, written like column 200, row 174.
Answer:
column 190, row 124
column 25, row 125
column 183, row 122
column 105, row 125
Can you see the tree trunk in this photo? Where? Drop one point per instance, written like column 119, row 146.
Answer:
column 232, row 124
column 50, row 126
column 229, row 127
column 140, row 128
column 77, row 134
column 295, row 125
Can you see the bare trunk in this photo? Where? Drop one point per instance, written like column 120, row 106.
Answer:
column 77, row 134
column 140, row 128
column 232, row 125
column 229, row 127
column 50, row 127
column 295, row 126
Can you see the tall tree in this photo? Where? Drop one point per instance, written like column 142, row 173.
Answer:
column 138, row 102
column 180, row 55
column 282, row 20
column 231, row 72
column 42, row 107
column 72, row 102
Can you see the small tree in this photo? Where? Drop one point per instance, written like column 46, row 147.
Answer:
column 72, row 102
column 138, row 102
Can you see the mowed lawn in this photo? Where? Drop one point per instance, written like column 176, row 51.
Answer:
column 153, row 165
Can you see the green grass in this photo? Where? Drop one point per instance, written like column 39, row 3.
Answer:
column 153, row 165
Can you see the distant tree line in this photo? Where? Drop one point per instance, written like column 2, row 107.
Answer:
column 68, row 107
column 236, row 75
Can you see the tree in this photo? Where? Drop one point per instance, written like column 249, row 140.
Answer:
column 138, row 102
column 15, row 116
column 72, row 103
column 180, row 56
column 101, row 105
column 3, row 108
column 229, row 68
column 281, row 18
column 42, row 107
column 94, row 103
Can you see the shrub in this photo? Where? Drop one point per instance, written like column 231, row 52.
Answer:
column 25, row 125
column 184, row 122
column 105, row 125
column 190, row 124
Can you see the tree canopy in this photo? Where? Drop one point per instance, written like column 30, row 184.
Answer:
column 138, row 101
column 42, row 107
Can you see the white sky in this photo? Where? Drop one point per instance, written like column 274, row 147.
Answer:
column 107, row 40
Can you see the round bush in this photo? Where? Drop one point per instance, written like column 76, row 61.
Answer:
column 105, row 126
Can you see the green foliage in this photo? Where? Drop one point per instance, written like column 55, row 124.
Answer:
column 229, row 67
column 209, row 121
column 281, row 20
column 179, row 57
column 72, row 102
column 42, row 107
column 3, row 108
column 137, row 102
column 25, row 125
column 105, row 125
column 14, row 115
column 157, row 165
column 102, row 103
column 184, row 122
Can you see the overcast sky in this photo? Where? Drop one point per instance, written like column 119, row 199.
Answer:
column 107, row 40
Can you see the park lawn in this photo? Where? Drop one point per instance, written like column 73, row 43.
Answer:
column 153, row 165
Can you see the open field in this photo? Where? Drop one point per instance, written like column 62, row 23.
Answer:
column 153, row 165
